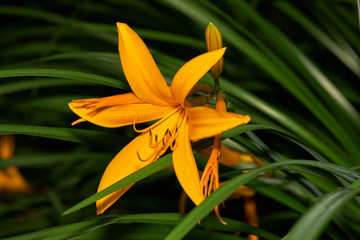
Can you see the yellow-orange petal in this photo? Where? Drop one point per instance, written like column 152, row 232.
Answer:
column 207, row 122
column 140, row 69
column 118, row 110
column 126, row 98
column 5, row 182
column 242, row 191
column 185, row 166
column 191, row 72
column 231, row 157
column 18, row 182
column 137, row 154
column 7, row 146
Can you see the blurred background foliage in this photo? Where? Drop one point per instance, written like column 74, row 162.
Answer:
column 293, row 66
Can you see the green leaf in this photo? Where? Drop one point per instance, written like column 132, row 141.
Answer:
column 74, row 228
column 68, row 74
column 347, row 57
column 92, row 137
column 318, row 216
column 280, row 196
column 246, row 128
column 37, row 160
column 22, row 85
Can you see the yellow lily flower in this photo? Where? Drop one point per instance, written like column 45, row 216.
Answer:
column 179, row 120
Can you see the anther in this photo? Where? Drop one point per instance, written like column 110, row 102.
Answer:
column 143, row 160
column 166, row 133
column 173, row 145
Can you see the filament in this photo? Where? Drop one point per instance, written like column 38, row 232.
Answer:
column 167, row 138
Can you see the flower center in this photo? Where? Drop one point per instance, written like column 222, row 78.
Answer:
column 162, row 135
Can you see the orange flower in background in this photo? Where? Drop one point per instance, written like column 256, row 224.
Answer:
column 11, row 180
column 180, row 119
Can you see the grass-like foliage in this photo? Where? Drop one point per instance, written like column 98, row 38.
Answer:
column 293, row 66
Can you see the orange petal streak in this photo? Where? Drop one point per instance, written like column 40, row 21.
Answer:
column 117, row 111
column 140, row 69
column 140, row 152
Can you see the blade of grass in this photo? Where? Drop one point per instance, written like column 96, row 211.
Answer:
column 352, row 62
column 42, row 234
column 319, row 215
column 40, row 160
column 92, row 137
column 68, row 74
column 22, row 85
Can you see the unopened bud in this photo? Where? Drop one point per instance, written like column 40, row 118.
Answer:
column 214, row 42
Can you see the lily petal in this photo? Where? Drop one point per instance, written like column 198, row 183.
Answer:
column 191, row 72
column 118, row 110
column 7, row 146
column 140, row 152
column 140, row 69
column 207, row 122
column 185, row 166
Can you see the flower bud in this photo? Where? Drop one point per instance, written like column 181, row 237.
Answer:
column 214, row 42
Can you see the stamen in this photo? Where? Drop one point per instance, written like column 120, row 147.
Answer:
column 166, row 117
column 173, row 145
column 146, row 159
column 166, row 133
column 141, row 130
column 205, row 180
column 212, row 178
column 168, row 139
column 154, row 145
column 205, row 191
